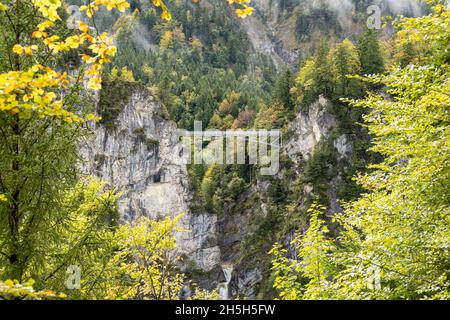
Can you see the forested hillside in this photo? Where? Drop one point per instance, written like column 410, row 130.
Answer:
column 95, row 202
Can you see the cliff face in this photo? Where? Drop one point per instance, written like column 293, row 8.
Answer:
column 288, row 30
column 140, row 156
column 308, row 128
column 305, row 133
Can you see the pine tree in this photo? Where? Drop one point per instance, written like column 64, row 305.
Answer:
column 346, row 63
column 282, row 90
column 323, row 76
column 370, row 53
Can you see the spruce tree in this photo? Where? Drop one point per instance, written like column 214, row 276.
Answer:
column 323, row 77
column 282, row 90
column 370, row 53
column 345, row 63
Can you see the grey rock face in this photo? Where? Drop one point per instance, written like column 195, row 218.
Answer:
column 343, row 146
column 270, row 35
column 308, row 128
column 141, row 158
column 246, row 282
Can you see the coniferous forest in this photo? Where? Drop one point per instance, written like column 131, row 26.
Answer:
column 95, row 203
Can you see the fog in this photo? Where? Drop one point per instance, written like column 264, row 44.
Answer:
column 345, row 8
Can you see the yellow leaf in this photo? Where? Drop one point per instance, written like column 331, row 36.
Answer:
column 9, row 283
column 243, row 13
column 17, row 49
column 35, row 68
column 45, row 25
column 166, row 15
column 37, row 34
column 83, row 27
column 28, row 50
column 122, row 6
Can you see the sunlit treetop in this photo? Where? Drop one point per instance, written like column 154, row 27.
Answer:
column 245, row 9
column 13, row 290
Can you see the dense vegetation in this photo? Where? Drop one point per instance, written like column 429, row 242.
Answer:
column 197, row 64
column 51, row 219
column 393, row 240
column 386, row 238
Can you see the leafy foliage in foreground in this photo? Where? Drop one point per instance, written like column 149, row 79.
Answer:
column 143, row 267
column 393, row 241
column 24, row 291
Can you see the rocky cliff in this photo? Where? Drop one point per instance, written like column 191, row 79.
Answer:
column 289, row 31
column 138, row 152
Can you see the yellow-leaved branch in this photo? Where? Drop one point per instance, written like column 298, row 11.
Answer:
column 39, row 88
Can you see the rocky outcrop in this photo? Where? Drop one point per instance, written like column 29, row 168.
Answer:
column 261, row 40
column 308, row 128
column 343, row 146
column 139, row 154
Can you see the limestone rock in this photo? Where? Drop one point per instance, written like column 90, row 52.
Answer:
column 308, row 128
column 140, row 158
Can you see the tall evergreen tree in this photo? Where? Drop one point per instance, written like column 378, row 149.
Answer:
column 282, row 90
column 345, row 63
column 370, row 53
column 323, row 76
